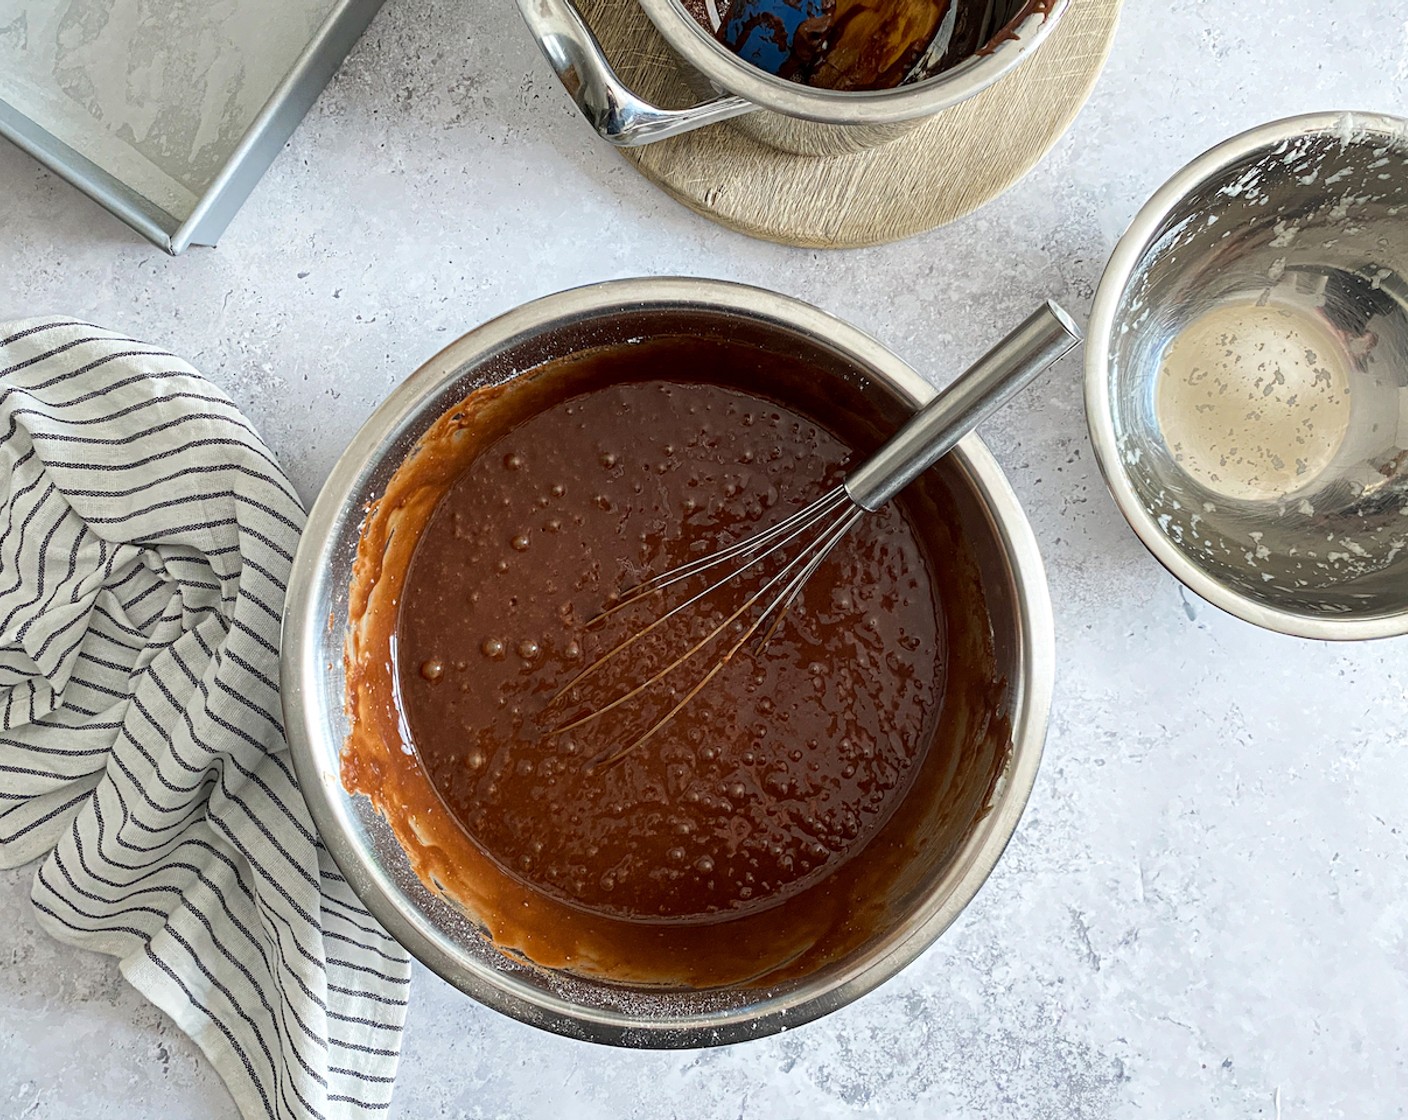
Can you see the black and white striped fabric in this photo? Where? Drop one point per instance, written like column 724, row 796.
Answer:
column 146, row 535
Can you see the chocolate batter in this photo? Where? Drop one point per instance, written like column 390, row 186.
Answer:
column 784, row 764
column 799, row 792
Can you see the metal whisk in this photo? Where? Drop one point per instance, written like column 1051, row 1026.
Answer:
column 987, row 385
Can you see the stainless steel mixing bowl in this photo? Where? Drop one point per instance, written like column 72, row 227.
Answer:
column 772, row 110
column 1245, row 372
column 443, row 937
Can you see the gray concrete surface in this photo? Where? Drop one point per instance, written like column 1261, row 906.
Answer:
column 1205, row 910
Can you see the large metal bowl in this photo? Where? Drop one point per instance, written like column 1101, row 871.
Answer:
column 1245, row 374
column 442, row 936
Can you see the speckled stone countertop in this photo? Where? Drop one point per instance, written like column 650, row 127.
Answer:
column 1204, row 912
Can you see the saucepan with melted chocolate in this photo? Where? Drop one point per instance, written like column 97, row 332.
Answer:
column 820, row 810
column 814, row 77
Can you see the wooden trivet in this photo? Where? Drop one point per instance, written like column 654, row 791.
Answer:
column 942, row 170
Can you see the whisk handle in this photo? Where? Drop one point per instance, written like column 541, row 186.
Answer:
column 981, row 390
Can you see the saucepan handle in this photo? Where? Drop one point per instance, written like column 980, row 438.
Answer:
column 613, row 110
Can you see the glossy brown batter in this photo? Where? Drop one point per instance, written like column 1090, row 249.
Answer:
column 784, row 764
column 796, row 806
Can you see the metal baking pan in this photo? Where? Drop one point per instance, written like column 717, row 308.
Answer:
column 167, row 112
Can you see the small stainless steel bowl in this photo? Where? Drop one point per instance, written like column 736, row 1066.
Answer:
column 1245, row 372
column 941, row 879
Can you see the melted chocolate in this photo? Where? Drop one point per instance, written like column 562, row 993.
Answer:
column 801, row 794
column 858, row 45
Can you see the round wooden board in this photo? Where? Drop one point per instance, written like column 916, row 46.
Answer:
column 942, row 170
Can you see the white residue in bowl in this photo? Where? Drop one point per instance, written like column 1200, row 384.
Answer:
column 1253, row 401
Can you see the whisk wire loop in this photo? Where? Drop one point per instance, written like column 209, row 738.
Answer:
column 793, row 526
column 778, row 608
column 788, row 570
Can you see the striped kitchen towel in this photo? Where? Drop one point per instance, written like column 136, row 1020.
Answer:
column 146, row 535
